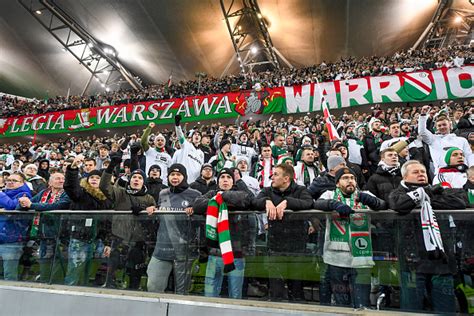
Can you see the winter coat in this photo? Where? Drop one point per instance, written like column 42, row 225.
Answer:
column 373, row 150
column 154, row 187
column 237, row 199
column 322, row 184
column 125, row 227
column 12, row 229
column 293, row 227
column 382, row 183
column 410, row 228
column 37, row 184
column 203, row 187
column 175, row 231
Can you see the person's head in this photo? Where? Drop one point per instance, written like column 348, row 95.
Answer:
column 225, row 179
column 177, row 174
column 154, row 172
column 15, row 180
column 405, row 127
column 457, row 114
column 89, row 164
column 307, row 155
column 470, row 174
column 242, row 164
column 376, row 125
column 93, row 178
column 266, row 151
column 207, row 172
column 137, row 179
column 196, row 138
column 16, row 165
column 159, row 141
column 282, row 176
column 243, row 138
column 30, row 170
column 346, row 180
column 56, row 181
column 78, row 149
column 414, row 172
column 53, row 155
column 454, row 157
column 343, row 149
column 103, row 151
column 443, row 125
column 335, row 163
column 287, row 161
column 394, row 129
column 390, row 157
column 334, row 152
column 279, row 140
column 225, row 145
column 205, row 140
column 44, row 164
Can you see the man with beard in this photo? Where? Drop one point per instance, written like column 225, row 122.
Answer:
column 387, row 176
column 442, row 139
column 454, row 174
column 205, row 182
column 355, row 167
column 425, row 246
column 156, row 155
column 347, row 254
column 190, row 155
column 372, row 143
column 306, row 171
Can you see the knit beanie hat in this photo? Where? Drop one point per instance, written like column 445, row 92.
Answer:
column 140, row 172
column 177, row 167
column 342, row 172
column 154, row 167
column 285, row 159
column 226, row 171
column 333, row 161
column 223, row 143
column 206, row 165
column 449, row 152
column 94, row 173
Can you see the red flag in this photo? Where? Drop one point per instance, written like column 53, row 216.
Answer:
column 169, row 80
column 333, row 134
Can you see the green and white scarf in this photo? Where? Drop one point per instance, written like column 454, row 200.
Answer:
column 221, row 161
column 352, row 233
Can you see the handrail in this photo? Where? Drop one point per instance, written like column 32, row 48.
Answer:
column 158, row 212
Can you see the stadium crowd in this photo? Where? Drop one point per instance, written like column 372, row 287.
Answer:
column 396, row 158
column 345, row 68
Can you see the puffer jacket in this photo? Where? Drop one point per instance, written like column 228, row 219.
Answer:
column 125, row 227
column 382, row 183
column 325, row 182
column 414, row 253
column 13, row 229
column 203, row 187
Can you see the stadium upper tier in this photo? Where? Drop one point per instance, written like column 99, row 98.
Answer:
column 345, row 68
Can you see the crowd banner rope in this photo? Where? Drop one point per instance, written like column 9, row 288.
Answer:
column 419, row 86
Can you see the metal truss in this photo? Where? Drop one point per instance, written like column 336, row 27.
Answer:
column 99, row 58
column 448, row 26
column 250, row 37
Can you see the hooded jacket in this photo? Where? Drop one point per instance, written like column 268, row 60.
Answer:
column 125, row 227
column 11, row 229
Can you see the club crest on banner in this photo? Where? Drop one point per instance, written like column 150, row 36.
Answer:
column 417, row 85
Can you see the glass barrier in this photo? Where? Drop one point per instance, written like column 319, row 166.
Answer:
column 376, row 260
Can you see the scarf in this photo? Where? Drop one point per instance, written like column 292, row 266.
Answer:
column 392, row 170
column 260, row 169
column 377, row 138
column 429, row 224
column 221, row 161
column 351, row 233
column 217, row 230
column 305, row 172
column 140, row 192
column 53, row 198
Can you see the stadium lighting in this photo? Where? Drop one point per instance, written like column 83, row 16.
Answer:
column 458, row 19
column 260, row 16
column 64, row 49
column 102, row 85
column 90, row 45
column 38, row 12
column 107, row 89
column 240, row 27
column 254, row 50
column 471, row 2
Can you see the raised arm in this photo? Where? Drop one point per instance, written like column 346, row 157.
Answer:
column 425, row 134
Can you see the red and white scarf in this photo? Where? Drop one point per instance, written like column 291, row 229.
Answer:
column 53, row 197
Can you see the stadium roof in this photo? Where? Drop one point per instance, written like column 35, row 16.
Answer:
column 155, row 37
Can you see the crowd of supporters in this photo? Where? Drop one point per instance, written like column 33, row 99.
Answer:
column 398, row 158
column 344, row 68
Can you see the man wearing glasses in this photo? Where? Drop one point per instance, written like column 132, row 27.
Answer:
column 12, row 231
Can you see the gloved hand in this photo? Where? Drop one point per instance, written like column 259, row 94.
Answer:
column 136, row 209
column 367, row 199
column 436, row 189
column 177, row 120
column 115, row 160
column 342, row 209
column 135, row 148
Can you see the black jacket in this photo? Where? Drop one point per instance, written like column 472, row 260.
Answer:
column 322, row 184
column 297, row 198
column 409, row 229
column 328, row 204
column 382, row 183
column 373, row 150
column 154, row 187
column 201, row 185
